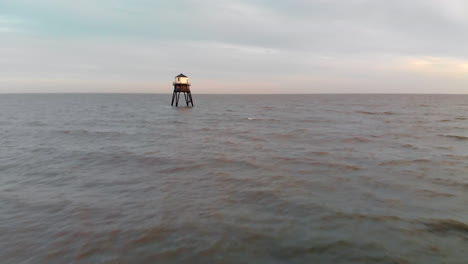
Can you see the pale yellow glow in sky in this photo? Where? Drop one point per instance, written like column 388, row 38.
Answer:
column 437, row 65
column 465, row 67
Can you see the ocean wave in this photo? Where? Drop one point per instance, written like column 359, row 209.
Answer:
column 299, row 131
column 455, row 137
column 447, row 225
column 120, row 159
column 175, row 122
column 337, row 165
column 432, row 194
column 209, row 164
column 282, row 136
column 184, row 168
column 37, row 124
column 89, row 132
column 252, row 138
column 314, row 161
column 357, row 216
column 451, row 183
column 241, row 164
column 263, row 119
column 314, row 121
column 319, row 153
column 356, row 140
column 458, row 157
column 403, row 162
column 409, row 146
column 44, row 150
column 153, row 234
column 444, row 147
column 340, row 245
column 375, row 113
column 268, row 107
column 341, row 251
column 417, row 161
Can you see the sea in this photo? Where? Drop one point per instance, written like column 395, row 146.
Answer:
column 126, row 178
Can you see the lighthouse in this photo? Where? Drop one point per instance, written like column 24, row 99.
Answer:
column 181, row 85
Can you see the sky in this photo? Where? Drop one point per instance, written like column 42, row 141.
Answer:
column 234, row 46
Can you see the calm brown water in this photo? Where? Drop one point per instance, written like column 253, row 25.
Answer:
column 237, row 179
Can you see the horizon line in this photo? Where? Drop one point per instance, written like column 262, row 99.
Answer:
column 169, row 93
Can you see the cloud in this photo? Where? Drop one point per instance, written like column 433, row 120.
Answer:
column 333, row 45
column 10, row 24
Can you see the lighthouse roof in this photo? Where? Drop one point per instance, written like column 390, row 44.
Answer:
column 181, row 75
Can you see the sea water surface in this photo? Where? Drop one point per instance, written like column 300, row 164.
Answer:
column 237, row 179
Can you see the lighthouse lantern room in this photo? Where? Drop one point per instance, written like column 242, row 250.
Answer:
column 182, row 79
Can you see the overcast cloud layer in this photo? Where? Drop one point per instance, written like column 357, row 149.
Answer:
column 235, row 46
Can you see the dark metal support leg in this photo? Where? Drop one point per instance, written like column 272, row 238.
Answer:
column 186, row 98
column 191, row 99
column 176, row 97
